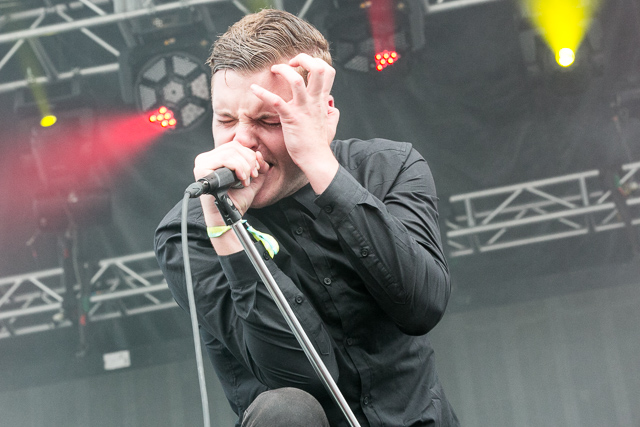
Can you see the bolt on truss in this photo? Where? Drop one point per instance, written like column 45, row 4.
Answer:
column 122, row 286
column 539, row 211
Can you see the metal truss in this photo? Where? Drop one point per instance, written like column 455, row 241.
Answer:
column 436, row 6
column 123, row 286
column 498, row 218
column 72, row 16
column 539, row 211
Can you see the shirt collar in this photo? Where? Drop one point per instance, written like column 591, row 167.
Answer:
column 306, row 197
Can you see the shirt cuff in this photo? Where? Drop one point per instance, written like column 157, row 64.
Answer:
column 342, row 195
column 238, row 268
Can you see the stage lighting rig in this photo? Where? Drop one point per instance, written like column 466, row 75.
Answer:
column 165, row 63
column 177, row 81
column 371, row 36
column 563, row 47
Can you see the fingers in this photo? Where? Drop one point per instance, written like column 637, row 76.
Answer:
column 320, row 77
column 245, row 162
column 270, row 98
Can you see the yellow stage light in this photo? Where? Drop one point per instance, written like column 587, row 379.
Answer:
column 565, row 57
column 562, row 23
column 48, row 120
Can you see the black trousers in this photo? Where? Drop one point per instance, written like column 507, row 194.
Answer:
column 285, row 407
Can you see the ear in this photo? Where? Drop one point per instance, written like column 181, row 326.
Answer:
column 333, row 116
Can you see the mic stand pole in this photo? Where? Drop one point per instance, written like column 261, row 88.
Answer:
column 232, row 217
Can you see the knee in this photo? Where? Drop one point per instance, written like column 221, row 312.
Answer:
column 285, row 407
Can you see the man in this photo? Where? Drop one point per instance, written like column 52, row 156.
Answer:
column 360, row 259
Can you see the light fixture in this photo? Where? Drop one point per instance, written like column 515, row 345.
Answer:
column 48, row 120
column 362, row 33
column 565, row 70
column 565, row 57
column 176, row 81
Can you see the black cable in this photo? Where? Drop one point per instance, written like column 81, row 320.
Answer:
column 192, row 311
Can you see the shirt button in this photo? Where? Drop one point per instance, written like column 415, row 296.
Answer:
column 299, row 299
column 327, row 280
column 364, row 252
column 299, row 231
column 349, row 341
column 366, row 400
column 328, row 209
column 266, row 256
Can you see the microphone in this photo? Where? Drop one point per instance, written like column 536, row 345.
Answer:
column 219, row 179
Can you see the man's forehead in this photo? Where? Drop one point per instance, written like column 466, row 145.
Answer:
column 230, row 90
column 233, row 79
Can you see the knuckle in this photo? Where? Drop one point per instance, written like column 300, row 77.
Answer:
column 298, row 81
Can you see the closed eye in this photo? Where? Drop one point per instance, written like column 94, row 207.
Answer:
column 225, row 122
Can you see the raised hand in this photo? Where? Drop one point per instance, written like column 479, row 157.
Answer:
column 309, row 119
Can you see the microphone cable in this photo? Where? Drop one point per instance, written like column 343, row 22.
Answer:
column 192, row 310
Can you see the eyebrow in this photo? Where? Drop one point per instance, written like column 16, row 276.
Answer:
column 260, row 116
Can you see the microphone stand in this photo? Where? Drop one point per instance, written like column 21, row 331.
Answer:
column 233, row 218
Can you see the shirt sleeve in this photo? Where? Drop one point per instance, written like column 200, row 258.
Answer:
column 393, row 239
column 236, row 312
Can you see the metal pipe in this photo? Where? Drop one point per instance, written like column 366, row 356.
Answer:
column 101, row 20
column 26, row 14
column 292, row 321
column 129, row 293
column 452, row 5
column 532, row 240
column 90, row 71
column 539, row 183
column 30, row 310
column 29, row 276
column 530, row 220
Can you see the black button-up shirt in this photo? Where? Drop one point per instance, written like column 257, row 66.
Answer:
column 363, row 269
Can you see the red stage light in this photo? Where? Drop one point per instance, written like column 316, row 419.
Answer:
column 164, row 117
column 385, row 58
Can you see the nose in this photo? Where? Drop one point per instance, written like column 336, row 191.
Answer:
column 246, row 135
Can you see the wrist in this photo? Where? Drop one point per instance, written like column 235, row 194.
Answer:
column 321, row 172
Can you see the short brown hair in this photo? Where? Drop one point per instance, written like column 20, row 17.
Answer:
column 266, row 38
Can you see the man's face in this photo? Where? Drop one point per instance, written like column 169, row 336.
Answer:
column 239, row 115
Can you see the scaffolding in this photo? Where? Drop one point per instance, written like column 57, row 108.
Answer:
column 72, row 17
column 122, row 286
column 543, row 210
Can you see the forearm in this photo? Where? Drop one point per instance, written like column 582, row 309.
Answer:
column 275, row 355
column 234, row 306
column 394, row 245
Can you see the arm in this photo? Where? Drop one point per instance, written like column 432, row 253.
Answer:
column 392, row 238
column 235, row 308
column 408, row 278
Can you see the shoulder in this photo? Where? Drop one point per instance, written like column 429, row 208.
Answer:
column 379, row 164
column 352, row 153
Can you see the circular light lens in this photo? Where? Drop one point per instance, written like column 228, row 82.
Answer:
column 565, row 57
column 48, row 120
